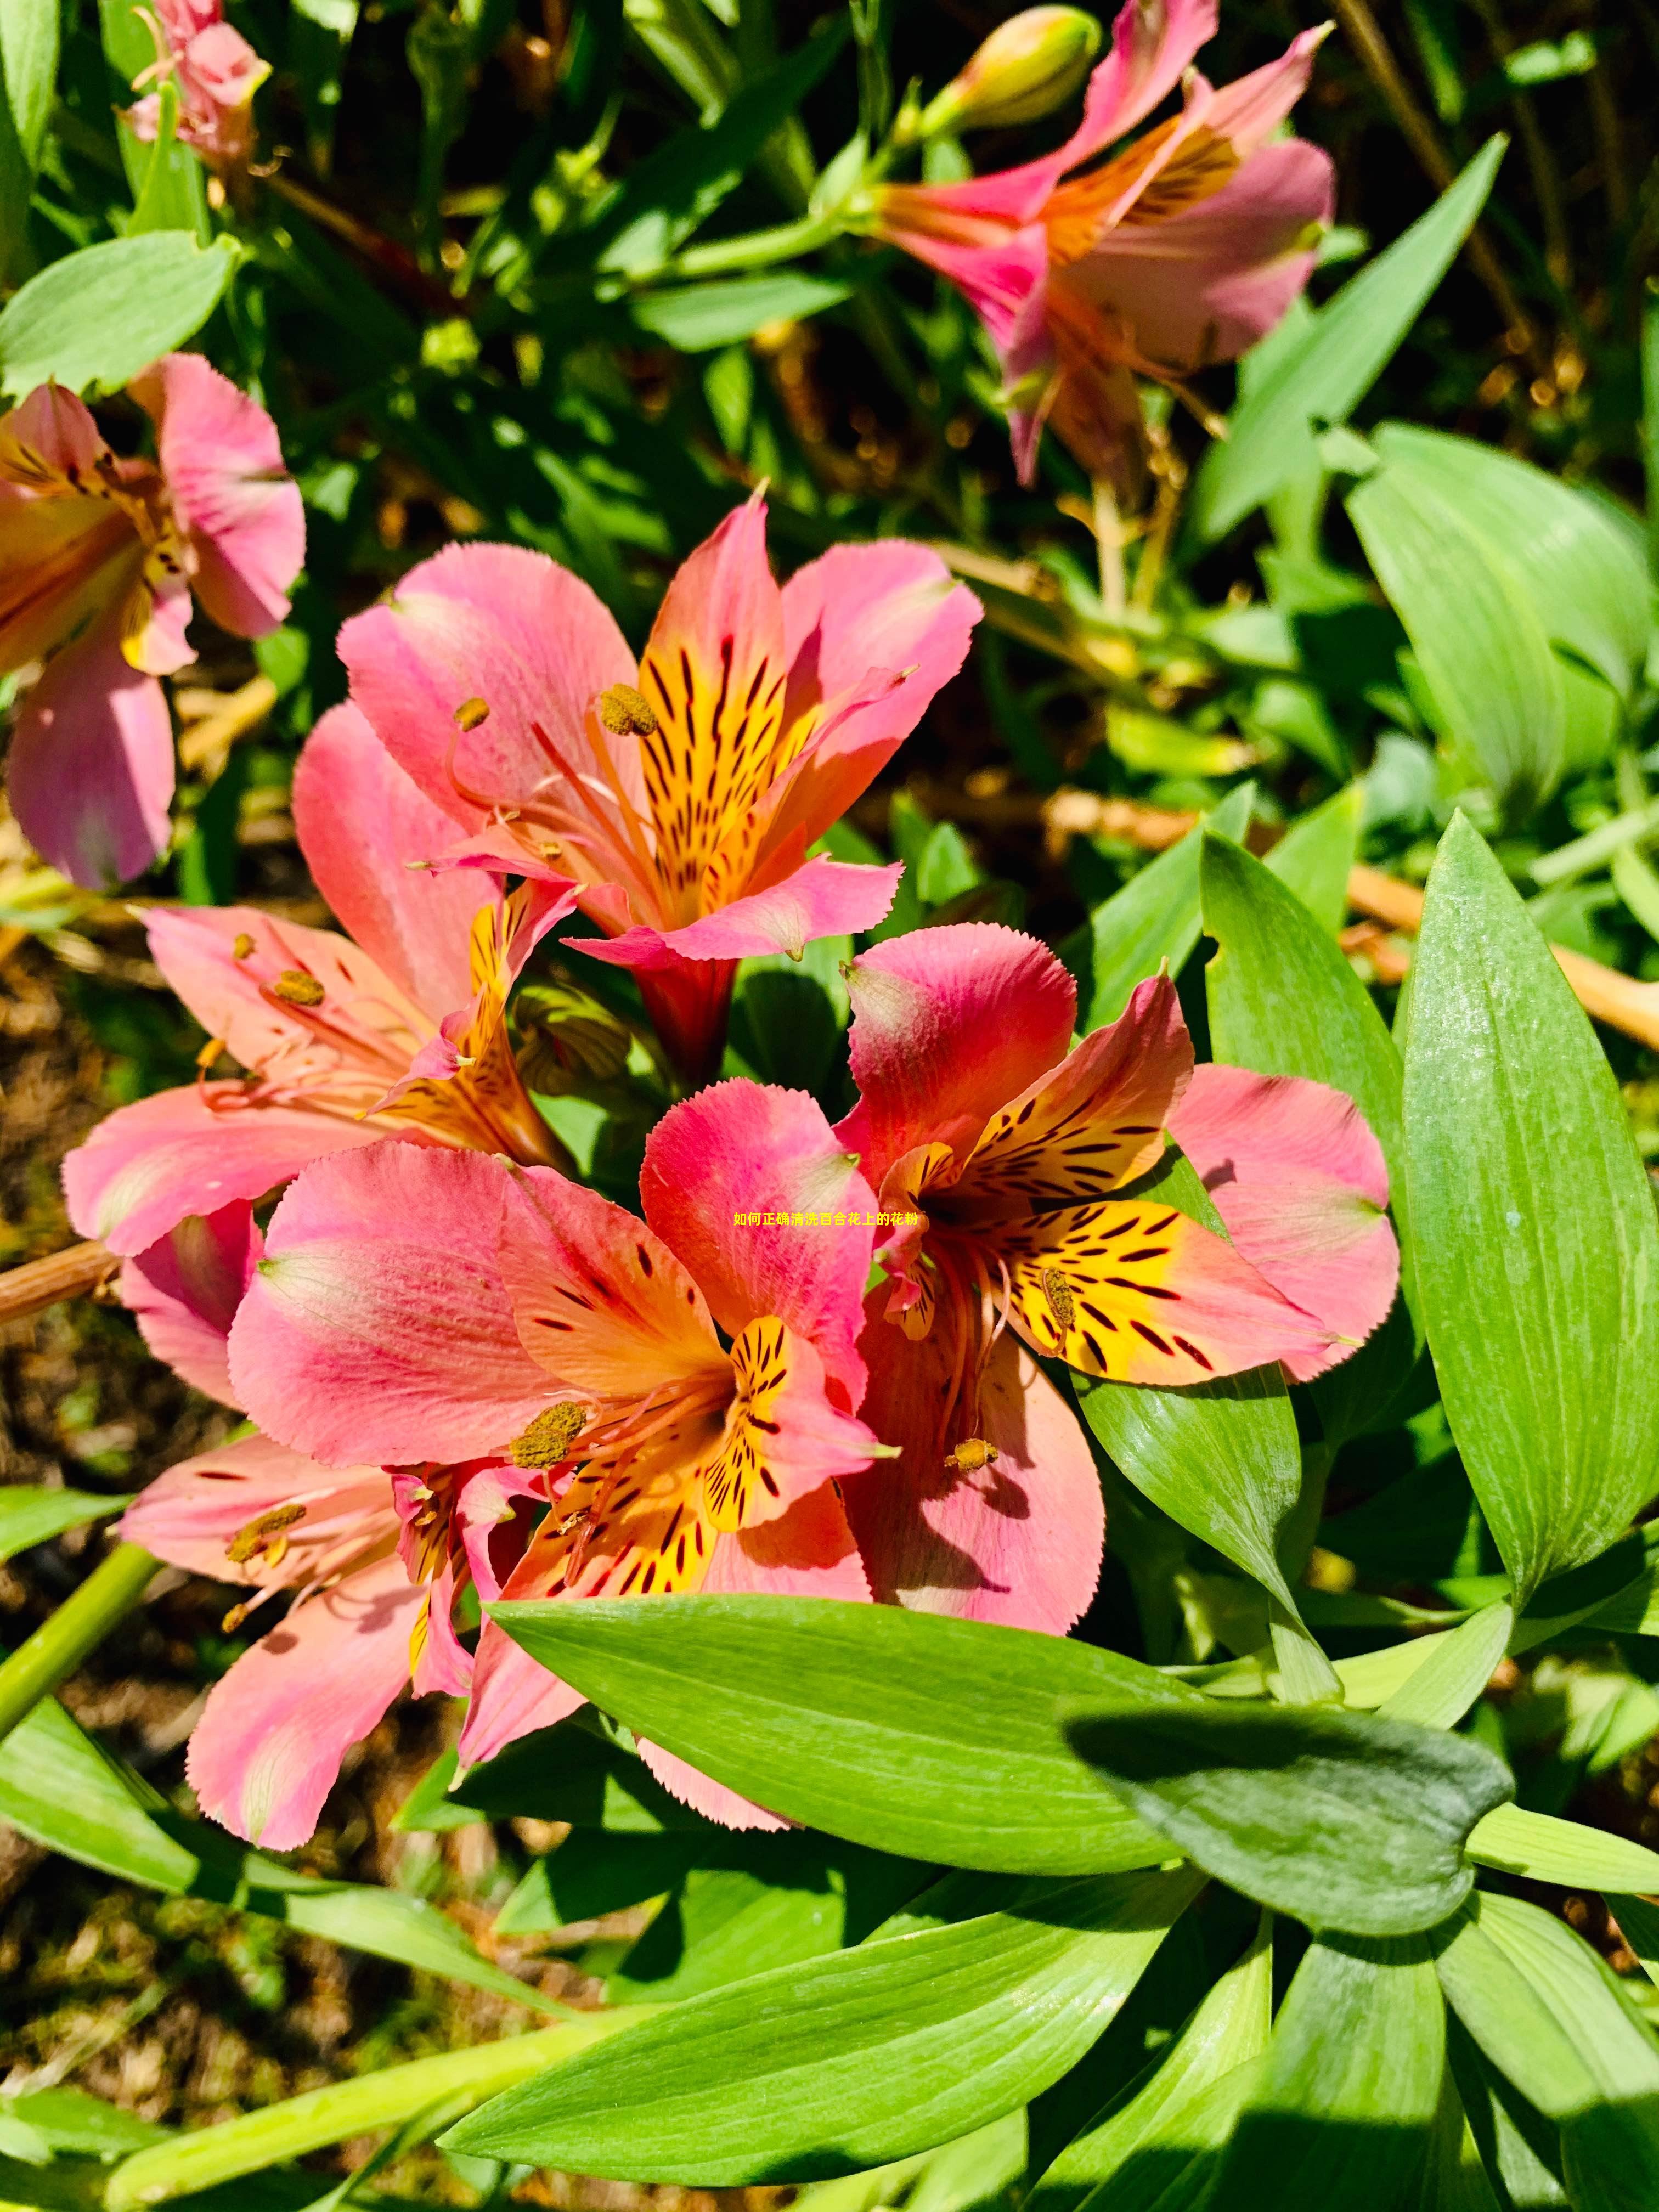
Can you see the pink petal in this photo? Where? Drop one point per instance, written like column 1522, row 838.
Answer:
column 90, row 772
column 267, row 1749
column 511, row 1695
column 189, row 1515
column 146, row 1166
column 825, row 898
column 948, row 1025
column 1247, row 112
column 704, row 1795
column 223, row 460
column 743, row 1148
column 362, row 823
column 1301, row 1183
column 183, row 1291
column 1019, row 1543
column 722, row 615
column 377, row 1326
column 1152, row 43
column 492, row 622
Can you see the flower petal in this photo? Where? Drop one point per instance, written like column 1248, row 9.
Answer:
column 90, row 772
column 267, row 1749
column 511, row 1694
column 190, row 1514
column 377, row 1326
column 1019, row 1541
column 824, row 898
column 704, row 1795
column 184, row 1291
column 1295, row 1172
column 223, row 460
column 948, row 1025
column 748, row 1148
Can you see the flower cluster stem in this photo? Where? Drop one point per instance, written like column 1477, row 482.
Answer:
column 79, row 1626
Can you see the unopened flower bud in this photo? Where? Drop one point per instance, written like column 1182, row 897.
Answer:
column 1027, row 66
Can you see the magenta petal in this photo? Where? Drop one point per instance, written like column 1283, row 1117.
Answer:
column 267, row 1749
column 183, row 1291
column 1020, row 1542
column 361, row 825
column 825, row 898
column 223, row 460
column 90, row 772
column 748, row 1148
column 377, row 1326
column 1152, row 43
column 1300, row 1182
column 146, row 1166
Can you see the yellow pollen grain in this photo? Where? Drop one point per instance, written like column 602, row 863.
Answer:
column 233, row 1620
column 471, row 714
column 242, row 947
column 625, row 713
column 971, row 1455
column 549, row 1437
column 295, row 988
column 257, row 1534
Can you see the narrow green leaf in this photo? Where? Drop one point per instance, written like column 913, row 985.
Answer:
column 1345, row 1820
column 1537, row 1244
column 68, row 2119
column 1350, row 2095
column 99, row 316
column 1323, row 377
column 1480, row 643
column 1315, row 855
column 850, row 2060
column 28, row 55
column 1152, row 921
column 851, row 1718
column 1440, row 1691
column 697, row 317
column 33, row 1515
column 1536, row 1847
column 1637, row 1917
column 59, row 1789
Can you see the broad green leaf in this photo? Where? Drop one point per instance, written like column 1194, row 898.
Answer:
column 695, row 317
column 1169, row 2118
column 1536, row 1241
column 1343, row 1819
column 28, row 57
column 1550, row 2016
column 388, row 2098
column 851, row 1718
column 68, row 2119
column 960, row 2177
column 1349, row 2094
column 59, row 1789
column 1479, row 641
column 99, row 316
column 1535, row 1847
column 572, row 1773
column 1586, row 580
column 33, row 1515
column 850, row 2060
column 1323, row 378
column 1440, row 1691
column 1151, row 921
column 1316, row 854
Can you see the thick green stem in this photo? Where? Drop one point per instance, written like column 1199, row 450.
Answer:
column 79, row 1626
column 756, row 249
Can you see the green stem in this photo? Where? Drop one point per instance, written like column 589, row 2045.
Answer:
column 756, row 248
column 79, row 1626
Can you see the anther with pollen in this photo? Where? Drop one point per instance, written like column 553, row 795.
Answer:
column 972, row 1454
column 268, row 1534
column 242, row 947
column 550, row 1437
column 1058, row 1291
column 471, row 714
column 295, row 988
column 626, row 713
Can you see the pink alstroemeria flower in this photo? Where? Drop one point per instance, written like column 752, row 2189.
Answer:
column 216, row 73
column 416, row 1301
column 100, row 557
column 395, row 1029
column 1184, row 249
column 1018, row 1159
column 677, row 796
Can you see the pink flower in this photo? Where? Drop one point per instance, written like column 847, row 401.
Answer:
column 413, row 1302
column 216, row 73
column 399, row 1028
column 1184, row 249
column 99, row 558
column 679, row 796
column 1017, row 1160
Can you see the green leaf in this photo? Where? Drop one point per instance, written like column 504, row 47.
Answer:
column 1637, row 1917
column 1345, row 1820
column 1550, row 2016
column 1351, row 2091
column 850, row 2060
column 1440, row 1691
column 1584, row 575
column 386, row 2099
column 1323, row 378
column 1537, row 1245
column 1480, row 643
column 99, row 316
column 71, row 2120
column 1169, row 2120
column 693, row 318
column 1535, row 1847
column 1316, row 854
column 59, row 1789
column 28, row 57
column 170, row 197
column 1153, row 920
column 33, row 1515
column 968, row 2175
column 851, row 1718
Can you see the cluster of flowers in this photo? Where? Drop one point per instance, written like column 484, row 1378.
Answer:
column 473, row 1377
